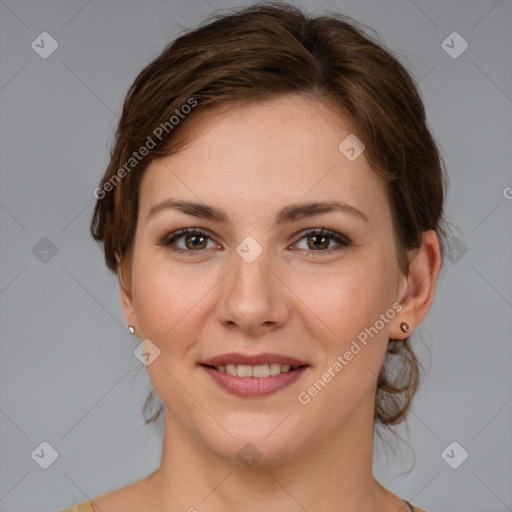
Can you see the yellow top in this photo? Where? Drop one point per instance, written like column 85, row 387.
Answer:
column 86, row 506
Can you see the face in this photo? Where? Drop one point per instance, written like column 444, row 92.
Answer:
column 261, row 273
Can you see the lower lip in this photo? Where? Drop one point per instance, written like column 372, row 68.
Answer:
column 254, row 386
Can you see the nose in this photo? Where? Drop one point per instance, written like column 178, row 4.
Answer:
column 253, row 297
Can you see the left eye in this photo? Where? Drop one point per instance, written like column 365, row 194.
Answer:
column 319, row 240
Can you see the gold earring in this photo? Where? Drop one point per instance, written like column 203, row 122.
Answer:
column 131, row 329
column 404, row 326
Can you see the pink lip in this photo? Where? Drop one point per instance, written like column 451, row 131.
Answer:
column 236, row 358
column 254, row 386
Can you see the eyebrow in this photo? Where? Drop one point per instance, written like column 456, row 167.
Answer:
column 286, row 214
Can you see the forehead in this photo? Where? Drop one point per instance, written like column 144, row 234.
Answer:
column 279, row 151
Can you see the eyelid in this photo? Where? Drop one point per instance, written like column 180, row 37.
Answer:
column 324, row 231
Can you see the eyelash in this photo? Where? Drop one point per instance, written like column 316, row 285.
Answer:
column 343, row 241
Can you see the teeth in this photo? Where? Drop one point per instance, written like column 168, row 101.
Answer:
column 275, row 369
column 259, row 371
column 262, row 370
column 244, row 370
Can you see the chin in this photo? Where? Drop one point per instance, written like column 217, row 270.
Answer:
column 256, row 453
column 255, row 443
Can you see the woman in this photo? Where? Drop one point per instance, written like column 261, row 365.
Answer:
column 273, row 210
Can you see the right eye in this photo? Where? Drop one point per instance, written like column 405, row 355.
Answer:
column 194, row 240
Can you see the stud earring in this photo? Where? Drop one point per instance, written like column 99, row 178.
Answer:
column 404, row 326
column 131, row 329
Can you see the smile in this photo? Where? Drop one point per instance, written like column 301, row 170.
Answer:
column 254, row 381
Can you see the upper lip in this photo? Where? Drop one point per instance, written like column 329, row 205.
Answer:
column 252, row 360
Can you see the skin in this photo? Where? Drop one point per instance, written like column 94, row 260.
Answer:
column 251, row 162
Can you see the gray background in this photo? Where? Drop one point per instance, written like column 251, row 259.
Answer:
column 68, row 373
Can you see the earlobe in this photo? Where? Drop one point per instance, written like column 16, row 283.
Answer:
column 420, row 287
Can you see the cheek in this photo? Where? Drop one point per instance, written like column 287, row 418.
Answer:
column 161, row 296
column 168, row 304
column 350, row 302
column 160, row 302
column 348, row 297
column 168, row 298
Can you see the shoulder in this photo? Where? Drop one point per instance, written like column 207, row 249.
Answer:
column 417, row 509
column 123, row 499
column 85, row 506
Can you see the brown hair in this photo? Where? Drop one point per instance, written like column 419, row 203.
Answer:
column 259, row 53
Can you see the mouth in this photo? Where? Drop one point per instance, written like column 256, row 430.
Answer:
column 252, row 376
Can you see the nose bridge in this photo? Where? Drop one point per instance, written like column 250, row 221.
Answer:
column 251, row 295
column 249, row 280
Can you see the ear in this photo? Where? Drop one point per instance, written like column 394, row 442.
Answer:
column 125, row 288
column 416, row 291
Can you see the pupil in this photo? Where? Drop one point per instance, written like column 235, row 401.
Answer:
column 194, row 237
column 322, row 243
